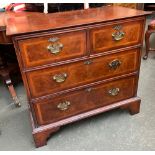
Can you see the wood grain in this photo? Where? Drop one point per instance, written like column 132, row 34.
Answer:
column 26, row 22
column 41, row 81
column 102, row 39
column 92, row 97
column 34, row 51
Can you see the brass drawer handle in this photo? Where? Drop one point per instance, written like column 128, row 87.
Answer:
column 118, row 34
column 63, row 105
column 55, row 47
column 114, row 91
column 60, row 77
column 115, row 64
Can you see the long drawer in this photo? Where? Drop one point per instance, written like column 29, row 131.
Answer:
column 52, row 48
column 118, row 35
column 51, row 80
column 52, row 110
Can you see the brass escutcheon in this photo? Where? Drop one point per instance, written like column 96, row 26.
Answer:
column 115, row 64
column 114, row 91
column 55, row 47
column 63, row 105
column 88, row 89
column 88, row 62
column 59, row 78
column 118, row 34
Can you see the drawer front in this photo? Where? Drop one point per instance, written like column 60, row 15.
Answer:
column 52, row 48
column 55, row 79
column 114, row 36
column 70, row 104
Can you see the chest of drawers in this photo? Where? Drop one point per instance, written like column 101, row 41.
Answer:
column 78, row 64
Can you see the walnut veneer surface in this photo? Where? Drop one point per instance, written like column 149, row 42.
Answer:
column 77, row 64
column 25, row 22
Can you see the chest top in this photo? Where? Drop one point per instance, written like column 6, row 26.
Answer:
column 27, row 22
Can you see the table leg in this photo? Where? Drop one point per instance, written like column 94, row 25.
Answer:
column 12, row 92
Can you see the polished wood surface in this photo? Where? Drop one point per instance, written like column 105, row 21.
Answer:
column 26, row 22
column 92, row 97
column 102, row 36
column 40, row 138
column 100, row 55
column 34, row 51
column 41, row 82
column 3, row 17
column 3, row 38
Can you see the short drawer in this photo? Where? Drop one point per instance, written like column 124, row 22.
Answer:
column 52, row 48
column 51, row 80
column 118, row 35
column 58, row 108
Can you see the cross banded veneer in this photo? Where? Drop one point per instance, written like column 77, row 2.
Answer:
column 77, row 64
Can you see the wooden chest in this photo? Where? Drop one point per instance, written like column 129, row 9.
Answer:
column 78, row 64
